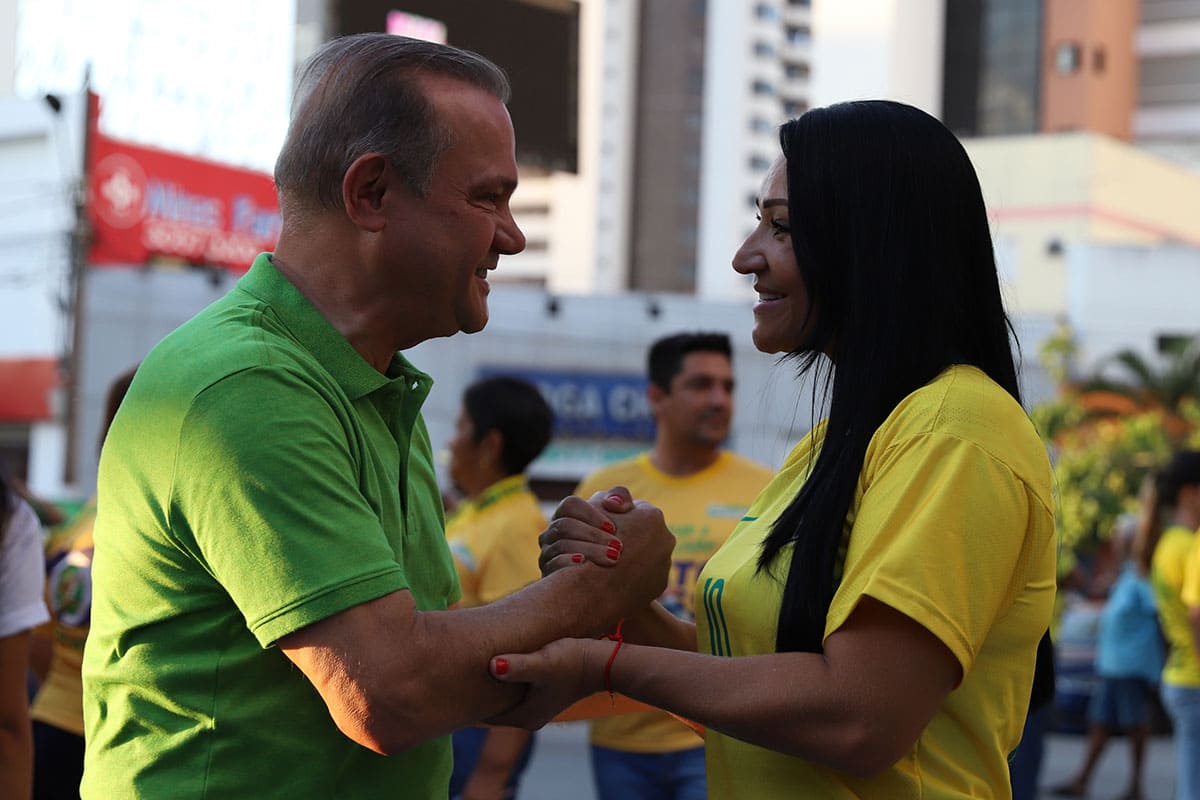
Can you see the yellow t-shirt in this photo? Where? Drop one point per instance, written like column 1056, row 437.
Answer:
column 1168, row 570
column 494, row 541
column 701, row 510
column 952, row 525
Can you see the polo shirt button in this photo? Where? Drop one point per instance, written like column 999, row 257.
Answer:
column 414, row 386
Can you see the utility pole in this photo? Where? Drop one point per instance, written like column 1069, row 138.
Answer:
column 79, row 239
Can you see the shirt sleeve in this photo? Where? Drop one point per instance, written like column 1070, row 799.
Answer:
column 939, row 536
column 267, row 496
column 513, row 560
column 22, row 572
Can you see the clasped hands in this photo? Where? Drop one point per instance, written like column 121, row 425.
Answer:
column 630, row 541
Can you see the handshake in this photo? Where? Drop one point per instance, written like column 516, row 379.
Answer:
column 622, row 548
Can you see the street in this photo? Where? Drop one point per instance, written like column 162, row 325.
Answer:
column 561, row 769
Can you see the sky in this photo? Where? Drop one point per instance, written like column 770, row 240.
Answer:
column 203, row 77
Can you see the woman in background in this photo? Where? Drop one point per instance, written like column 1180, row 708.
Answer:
column 22, row 573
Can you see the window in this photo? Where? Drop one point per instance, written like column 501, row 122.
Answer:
column 761, row 87
column 796, row 71
column 760, row 125
column 759, row 163
column 766, row 11
column 1171, row 343
column 797, row 36
column 792, row 108
column 764, row 50
column 1067, row 57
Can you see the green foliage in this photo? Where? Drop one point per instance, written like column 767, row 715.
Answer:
column 1057, row 353
column 1177, row 382
column 1101, row 458
column 1056, row 417
column 1098, row 471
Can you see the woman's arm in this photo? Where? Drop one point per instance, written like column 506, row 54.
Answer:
column 16, row 735
column 657, row 627
column 858, row 707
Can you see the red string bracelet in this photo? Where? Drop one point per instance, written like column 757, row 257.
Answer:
column 619, row 639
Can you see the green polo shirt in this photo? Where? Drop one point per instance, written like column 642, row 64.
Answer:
column 260, row 476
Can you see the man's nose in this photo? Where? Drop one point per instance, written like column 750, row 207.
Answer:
column 510, row 240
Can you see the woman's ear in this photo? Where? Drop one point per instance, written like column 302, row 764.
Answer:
column 364, row 188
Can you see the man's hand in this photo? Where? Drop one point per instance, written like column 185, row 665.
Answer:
column 629, row 539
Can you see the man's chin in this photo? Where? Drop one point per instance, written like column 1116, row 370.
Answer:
column 474, row 325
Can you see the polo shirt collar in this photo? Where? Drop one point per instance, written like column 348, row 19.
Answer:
column 347, row 366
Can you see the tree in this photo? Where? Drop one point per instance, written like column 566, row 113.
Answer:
column 1108, row 432
column 1144, row 387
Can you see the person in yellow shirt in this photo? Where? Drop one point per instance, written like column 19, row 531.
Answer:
column 504, row 424
column 702, row 490
column 870, row 628
column 1175, row 576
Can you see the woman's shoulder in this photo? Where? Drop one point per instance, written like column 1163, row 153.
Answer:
column 963, row 403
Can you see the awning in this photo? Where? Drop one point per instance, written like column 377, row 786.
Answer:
column 25, row 387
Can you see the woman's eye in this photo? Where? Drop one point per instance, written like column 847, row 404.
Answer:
column 781, row 228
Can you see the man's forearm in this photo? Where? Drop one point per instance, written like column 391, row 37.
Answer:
column 568, row 603
column 393, row 677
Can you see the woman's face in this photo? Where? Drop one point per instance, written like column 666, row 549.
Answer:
column 782, row 308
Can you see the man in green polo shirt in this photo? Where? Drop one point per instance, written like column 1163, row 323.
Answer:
column 271, row 576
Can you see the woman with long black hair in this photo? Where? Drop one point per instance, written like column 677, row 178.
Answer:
column 870, row 628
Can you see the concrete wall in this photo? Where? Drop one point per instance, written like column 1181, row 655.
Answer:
column 1125, row 296
column 1048, row 194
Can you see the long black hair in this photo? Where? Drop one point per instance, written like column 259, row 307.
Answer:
column 891, row 237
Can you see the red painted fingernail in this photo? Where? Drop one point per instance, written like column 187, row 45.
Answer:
column 608, row 527
column 615, row 543
column 501, row 665
column 616, row 498
column 577, row 558
column 614, row 553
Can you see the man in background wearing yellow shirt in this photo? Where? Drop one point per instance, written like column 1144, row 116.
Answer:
column 703, row 492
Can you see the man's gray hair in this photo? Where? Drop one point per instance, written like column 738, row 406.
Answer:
column 360, row 94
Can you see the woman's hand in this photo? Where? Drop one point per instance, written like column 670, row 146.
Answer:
column 585, row 530
column 559, row 674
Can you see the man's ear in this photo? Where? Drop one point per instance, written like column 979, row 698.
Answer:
column 364, row 187
column 654, row 396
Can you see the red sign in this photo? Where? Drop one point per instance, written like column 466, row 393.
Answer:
column 144, row 202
